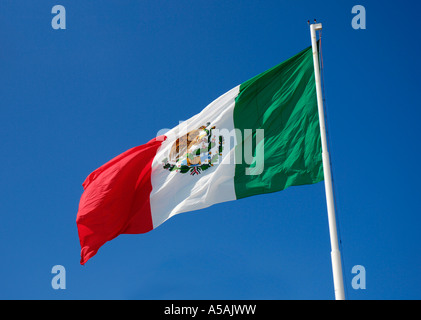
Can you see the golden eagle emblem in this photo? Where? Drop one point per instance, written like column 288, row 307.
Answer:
column 196, row 151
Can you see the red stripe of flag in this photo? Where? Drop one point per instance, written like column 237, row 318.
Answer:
column 116, row 199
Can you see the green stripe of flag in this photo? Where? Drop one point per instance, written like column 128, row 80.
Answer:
column 282, row 101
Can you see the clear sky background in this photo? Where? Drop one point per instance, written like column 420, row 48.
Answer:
column 70, row 100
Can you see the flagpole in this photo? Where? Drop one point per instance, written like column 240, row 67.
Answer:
column 335, row 254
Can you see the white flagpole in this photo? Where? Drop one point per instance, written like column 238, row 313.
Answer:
column 335, row 254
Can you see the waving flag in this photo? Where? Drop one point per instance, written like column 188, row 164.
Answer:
column 261, row 136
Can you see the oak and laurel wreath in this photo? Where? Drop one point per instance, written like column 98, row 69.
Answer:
column 198, row 169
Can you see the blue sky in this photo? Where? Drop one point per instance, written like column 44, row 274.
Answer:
column 122, row 70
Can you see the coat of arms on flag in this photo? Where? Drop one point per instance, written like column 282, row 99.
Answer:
column 196, row 151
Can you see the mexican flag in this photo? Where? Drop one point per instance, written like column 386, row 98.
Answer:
column 261, row 136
